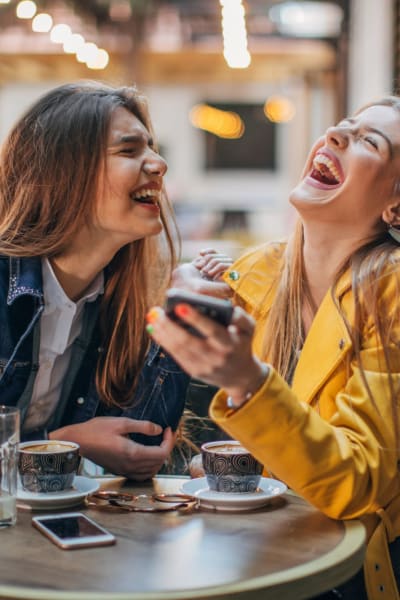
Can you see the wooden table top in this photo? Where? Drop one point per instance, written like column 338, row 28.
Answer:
column 284, row 551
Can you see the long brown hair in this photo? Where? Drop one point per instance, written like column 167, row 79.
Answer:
column 49, row 170
column 368, row 265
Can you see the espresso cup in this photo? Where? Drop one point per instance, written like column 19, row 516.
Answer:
column 230, row 468
column 47, row 465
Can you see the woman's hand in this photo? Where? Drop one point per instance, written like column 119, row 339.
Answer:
column 223, row 357
column 203, row 274
column 106, row 441
column 212, row 264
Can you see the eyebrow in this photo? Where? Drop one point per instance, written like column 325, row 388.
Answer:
column 378, row 132
column 133, row 138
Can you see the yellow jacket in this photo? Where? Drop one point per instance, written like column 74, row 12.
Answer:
column 323, row 436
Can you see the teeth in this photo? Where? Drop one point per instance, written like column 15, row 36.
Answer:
column 322, row 160
column 147, row 193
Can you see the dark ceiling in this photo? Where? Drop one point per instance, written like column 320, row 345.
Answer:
column 200, row 17
column 122, row 24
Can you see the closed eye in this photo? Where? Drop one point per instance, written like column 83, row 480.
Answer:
column 128, row 150
column 371, row 141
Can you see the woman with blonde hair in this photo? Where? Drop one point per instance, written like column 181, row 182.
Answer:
column 310, row 382
column 86, row 246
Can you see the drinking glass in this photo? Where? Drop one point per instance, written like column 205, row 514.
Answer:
column 9, row 438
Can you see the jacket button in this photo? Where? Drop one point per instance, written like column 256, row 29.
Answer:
column 80, row 400
column 233, row 275
column 341, row 344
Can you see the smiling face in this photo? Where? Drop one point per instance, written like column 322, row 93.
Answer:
column 128, row 203
column 350, row 175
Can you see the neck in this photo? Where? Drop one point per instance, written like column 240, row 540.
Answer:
column 325, row 251
column 79, row 265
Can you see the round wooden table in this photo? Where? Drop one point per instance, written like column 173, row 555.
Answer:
column 284, row 551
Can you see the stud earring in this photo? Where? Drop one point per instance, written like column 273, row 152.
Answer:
column 394, row 233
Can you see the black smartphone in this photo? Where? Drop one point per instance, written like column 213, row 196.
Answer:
column 73, row 530
column 214, row 308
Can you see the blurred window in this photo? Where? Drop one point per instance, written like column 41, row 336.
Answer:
column 255, row 149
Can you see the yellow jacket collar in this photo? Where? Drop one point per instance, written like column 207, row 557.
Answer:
column 252, row 282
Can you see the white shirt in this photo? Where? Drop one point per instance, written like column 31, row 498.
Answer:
column 60, row 325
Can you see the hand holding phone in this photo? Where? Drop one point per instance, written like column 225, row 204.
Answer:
column 214, row 308
column 73, row 530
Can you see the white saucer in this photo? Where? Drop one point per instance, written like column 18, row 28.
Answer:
column 267, row 490
column 82, row 486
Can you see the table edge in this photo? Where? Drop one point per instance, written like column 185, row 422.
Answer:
column 349, row 554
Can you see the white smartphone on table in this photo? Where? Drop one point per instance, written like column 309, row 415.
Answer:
column 73, row 530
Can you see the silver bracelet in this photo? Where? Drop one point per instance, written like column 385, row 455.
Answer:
column 229, row 401
column 233, row 406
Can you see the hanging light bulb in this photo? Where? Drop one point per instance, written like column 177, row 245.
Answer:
column 87, row 52
column 98, row 61
column 26, row 9
column 60, row 33
column 307, row 19
column 279, row 109
column 42, row 23
column 73, row 43
column 234, row 34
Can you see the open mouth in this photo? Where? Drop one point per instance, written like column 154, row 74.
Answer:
column 146, row 196
column 325, row 171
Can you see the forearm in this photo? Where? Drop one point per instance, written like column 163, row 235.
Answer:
column 323, row 462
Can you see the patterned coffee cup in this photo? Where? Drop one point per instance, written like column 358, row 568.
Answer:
column 230, row 468
column 48, row 465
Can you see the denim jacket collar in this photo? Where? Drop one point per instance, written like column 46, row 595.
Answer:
column 25, row 278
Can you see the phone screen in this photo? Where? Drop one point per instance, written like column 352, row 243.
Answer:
column 72, row 527
column 73, row 530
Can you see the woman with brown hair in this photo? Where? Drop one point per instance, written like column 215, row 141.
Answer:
column 86, row 246
column 311, row 385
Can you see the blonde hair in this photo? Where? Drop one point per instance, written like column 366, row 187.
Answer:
column 368, row 265
column 49, row 178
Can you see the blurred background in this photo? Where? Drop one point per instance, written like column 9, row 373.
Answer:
column 238, row 90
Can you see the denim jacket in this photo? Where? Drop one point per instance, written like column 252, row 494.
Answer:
column 161, row 391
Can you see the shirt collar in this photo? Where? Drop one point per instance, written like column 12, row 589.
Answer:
column 55, row 295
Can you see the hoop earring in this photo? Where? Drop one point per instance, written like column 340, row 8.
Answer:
column 394, row 233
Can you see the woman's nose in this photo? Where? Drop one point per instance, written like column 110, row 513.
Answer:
column 155, row 165
column 337, row 137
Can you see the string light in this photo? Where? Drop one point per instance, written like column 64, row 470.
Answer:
column 73, row 43
column 87, row 52
column 234, row 34
column 222, row 123
column 26, row 9
column 61, row 33
column 279, row 109
column 99, row 61
column 42, row 23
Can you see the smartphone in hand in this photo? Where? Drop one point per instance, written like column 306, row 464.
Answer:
column 214, row 308
column 73, row 530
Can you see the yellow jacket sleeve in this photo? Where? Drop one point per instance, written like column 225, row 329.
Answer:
column 345, row 467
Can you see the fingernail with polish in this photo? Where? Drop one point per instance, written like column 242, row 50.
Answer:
column 150, row 329
column 182, row 310
column 152, row 315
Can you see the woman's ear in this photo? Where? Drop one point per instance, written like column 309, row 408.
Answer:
column 391, row 214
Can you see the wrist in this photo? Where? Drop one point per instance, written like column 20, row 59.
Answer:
column 237, row 397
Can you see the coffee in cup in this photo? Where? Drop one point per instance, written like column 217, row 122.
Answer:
column 48, row 465
column 229, row 467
